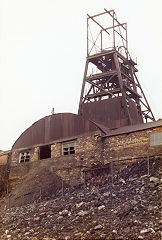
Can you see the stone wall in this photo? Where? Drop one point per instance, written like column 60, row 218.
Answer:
column 91, row 150
column 4, row 174
column 3, row 158
column 70, row 167
column 130, row 145
column 56, row 150
column 3, row 169
column 34, row 155
column 88, row 151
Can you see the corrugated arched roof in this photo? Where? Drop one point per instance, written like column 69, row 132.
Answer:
column 54, row 127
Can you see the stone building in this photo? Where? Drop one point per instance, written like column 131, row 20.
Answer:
column 70, row 145
column 114, row 121
column 70, row 141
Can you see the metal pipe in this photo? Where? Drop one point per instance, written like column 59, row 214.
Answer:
column 148, row 163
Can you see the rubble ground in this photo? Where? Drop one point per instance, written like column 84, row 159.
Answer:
column 128, row 209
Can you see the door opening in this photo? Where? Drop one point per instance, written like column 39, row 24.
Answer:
column 45, row 152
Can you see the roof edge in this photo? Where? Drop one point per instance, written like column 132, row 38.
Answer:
column 134, row 128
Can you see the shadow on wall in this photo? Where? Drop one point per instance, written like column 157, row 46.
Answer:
column 40, row 184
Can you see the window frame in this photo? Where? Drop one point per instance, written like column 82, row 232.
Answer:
column 68, row 148
column 24, row 157
column 156, row 139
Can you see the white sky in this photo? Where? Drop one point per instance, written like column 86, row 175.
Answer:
column 43, row 53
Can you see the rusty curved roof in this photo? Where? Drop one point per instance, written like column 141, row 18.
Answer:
column 54, row 127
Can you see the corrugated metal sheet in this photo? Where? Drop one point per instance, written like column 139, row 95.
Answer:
column 105, row 112
column 135, row 118
column 134, row 128
column 110, row 112
column 54, row 127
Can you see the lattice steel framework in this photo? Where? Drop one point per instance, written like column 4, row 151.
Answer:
column 110, row 71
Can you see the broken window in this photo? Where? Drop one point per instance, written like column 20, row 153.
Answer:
column 68, row 148
column 45, row 152
column 24, row 157
column 156, row 139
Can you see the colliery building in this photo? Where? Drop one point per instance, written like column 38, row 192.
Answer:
column 114, row 123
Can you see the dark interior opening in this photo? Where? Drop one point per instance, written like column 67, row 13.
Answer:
column 45, row 152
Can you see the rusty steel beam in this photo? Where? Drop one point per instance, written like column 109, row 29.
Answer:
column 109, row 12
column 94, row 42
column 101, row 75
column 120, row 34
column 115, row 26
column 121, row 87
column 98, row 24
column 83, row 86
column 104, row 93
column 108, row 80
column 103, row 53
column 95, row 85
column 115, row 83
column 148, row 106
column 100, row 14
column 132, row 91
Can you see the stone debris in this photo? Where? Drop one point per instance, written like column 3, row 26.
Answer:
column 106, row 194
column 98, row 227
column 140, row 237
column 8, row 236
column 82, row 213
column 101, row 207
column 79, row 234
column 122, row 180
column 147, row 230
column 64, row 213
column 78, row 205
column 154, row 180
column 130, row 210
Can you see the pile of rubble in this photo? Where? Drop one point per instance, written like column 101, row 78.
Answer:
column 128, row 209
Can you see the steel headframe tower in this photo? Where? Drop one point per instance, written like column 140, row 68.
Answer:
column 110, row 72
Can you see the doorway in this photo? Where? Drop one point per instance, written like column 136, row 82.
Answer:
column 45, row 152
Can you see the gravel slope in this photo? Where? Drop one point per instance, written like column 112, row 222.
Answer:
column 129, row 209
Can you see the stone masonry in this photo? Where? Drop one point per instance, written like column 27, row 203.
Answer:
column 130, row 146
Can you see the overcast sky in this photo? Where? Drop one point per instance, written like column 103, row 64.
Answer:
column 43, row 53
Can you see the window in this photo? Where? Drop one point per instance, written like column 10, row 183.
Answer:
column 24, row 157
column 68, row 148
column 156, row 139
